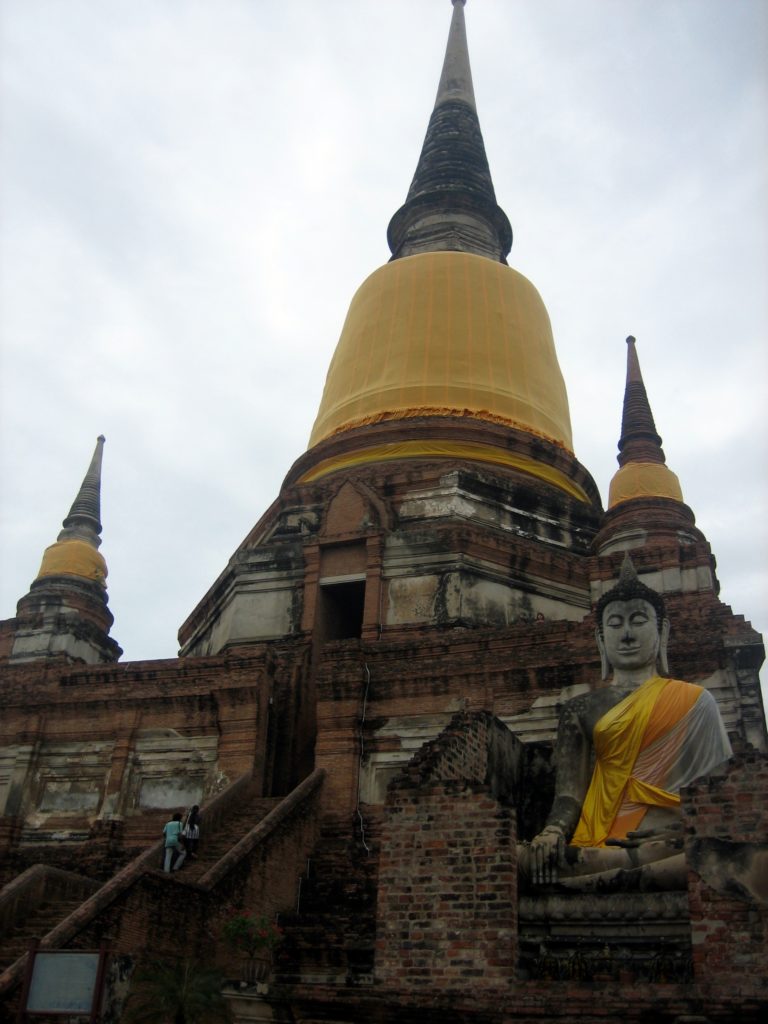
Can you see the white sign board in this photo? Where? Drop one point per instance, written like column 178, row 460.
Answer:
column 63, row 982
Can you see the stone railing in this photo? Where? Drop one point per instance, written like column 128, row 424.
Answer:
column 214, row 811
column 277, row 817
column 36, row 885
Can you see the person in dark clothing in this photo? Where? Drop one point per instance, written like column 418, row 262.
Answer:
column 191, row 830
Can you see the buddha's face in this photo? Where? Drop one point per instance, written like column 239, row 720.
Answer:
column 630, row 634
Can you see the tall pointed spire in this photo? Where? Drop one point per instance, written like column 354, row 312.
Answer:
column 639, row 441
column 451, row 204
column 456, row 78
column 76, row 551
column 643, row 472
column 84, row 519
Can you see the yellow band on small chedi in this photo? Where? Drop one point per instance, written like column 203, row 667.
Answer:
column 73, row 558
column 643, row 480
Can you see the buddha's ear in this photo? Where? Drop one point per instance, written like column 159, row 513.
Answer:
column 663, row 642
column 605, row 665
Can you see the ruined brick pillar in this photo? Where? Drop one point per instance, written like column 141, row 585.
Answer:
column 727, row 853
column 447, row 899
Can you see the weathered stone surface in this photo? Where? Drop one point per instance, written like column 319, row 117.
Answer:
column 391, row 625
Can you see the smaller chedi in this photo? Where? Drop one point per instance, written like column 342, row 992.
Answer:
column 623, row 753
column 65, row 614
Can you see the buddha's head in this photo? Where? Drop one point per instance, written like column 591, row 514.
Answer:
column 632, row 628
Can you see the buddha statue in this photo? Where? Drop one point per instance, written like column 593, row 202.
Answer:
column 622, row 754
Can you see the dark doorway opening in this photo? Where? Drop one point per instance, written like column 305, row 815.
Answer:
column 342, row 609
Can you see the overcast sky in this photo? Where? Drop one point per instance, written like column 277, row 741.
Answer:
column 192, row 190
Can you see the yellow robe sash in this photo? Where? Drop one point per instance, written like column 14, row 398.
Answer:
column 620, row 734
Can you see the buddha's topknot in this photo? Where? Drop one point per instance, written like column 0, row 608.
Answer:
column 629, row 588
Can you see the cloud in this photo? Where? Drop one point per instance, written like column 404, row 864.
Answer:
column 191, row 194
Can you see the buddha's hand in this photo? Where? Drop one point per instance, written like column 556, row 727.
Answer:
column 647, row 845
column 670, row 835
column 546, row 853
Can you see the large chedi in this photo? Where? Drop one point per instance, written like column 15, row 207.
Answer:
column 388, row 704
column 444, row 421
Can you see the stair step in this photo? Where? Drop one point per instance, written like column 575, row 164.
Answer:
column 43, row 920
column 140, row 832
column 213, row 847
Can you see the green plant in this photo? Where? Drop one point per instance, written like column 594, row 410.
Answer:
column 181, row 992
column 251, row 934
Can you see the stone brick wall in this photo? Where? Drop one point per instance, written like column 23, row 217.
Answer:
column 727, row 849
column 447, row 894
column 459, row 754
column 421, row 679
column 447, row 891
column 475, row 748
column 99, row 736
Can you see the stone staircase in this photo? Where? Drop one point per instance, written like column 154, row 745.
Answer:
column 141, row 831
column 36, row 916
column 219, row 840
column 331, row 937
column 38, row 923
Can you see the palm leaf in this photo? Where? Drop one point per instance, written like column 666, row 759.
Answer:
column 181, row 992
